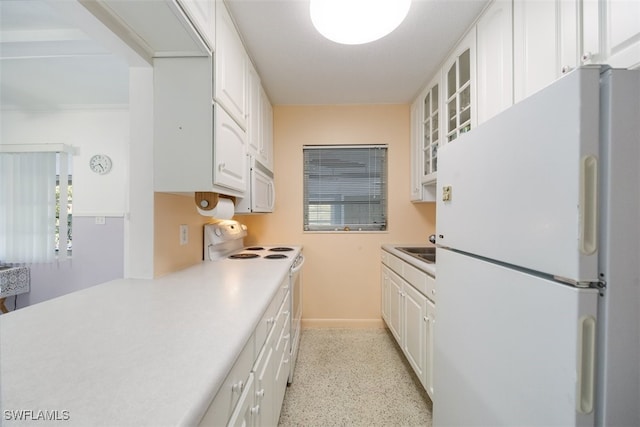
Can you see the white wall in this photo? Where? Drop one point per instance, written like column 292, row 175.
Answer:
column 98, row 250
column 89, row 132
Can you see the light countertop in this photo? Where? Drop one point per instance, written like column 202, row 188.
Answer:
column 419, row 264
column 135, row 352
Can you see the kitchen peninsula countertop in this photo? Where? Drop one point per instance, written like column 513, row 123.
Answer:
column 133, row 352
column 421, row 265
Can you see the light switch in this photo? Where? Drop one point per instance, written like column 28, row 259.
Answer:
column 446, row 193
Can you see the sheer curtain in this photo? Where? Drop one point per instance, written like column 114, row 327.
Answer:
column 28, row 206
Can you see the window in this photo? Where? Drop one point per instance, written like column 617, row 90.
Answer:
column 345, row 188
column 34, row 186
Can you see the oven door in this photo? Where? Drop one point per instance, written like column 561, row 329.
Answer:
column 295, row 276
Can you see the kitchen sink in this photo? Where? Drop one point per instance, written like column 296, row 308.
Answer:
column 423, row 253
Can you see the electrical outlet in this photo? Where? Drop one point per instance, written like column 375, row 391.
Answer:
column 100, row 220
column 184, row 234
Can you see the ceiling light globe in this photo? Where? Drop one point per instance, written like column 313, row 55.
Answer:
column 357, row 21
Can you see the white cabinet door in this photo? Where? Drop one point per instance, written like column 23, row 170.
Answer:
column 265, row 154
column 495, row 62
column 413, row 343
column 231, row 67
column 202, row 15
column 385, row 292
column 544, row 43
column 265, row 386
column 254, row 125
column 622, row 21
column 430, row 327
column 230, row 153
column 243, row 414
column 459, row 89
column 395, row 306
column 416, row 139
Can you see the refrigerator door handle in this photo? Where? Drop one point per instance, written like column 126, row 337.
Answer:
column 586, row 364
column 589, row 205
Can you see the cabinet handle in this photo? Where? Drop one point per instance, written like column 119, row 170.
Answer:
column 255, row 410
column 222, row 166
column 285, row 313
column 285, row 361
column 238, row 387
column 260, row 393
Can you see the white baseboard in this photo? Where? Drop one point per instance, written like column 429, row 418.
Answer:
column 343, row 323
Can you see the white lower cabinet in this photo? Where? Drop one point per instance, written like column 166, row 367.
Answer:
column 409, row 314
column 253, row 392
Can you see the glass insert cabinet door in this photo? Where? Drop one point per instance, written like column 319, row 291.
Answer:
column 431, row 133
column 458, row 97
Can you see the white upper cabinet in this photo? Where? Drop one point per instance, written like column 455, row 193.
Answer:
column 621, row 31
column 231, row 67
column 265, row 153
column 260, row 121
column 416, row 143
column 202, row 14
column 494, row 37
column 544, row 43
column 197, row 146
column 458, row 84
column 430, row 132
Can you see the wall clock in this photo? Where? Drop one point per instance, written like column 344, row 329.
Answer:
column 100, row 163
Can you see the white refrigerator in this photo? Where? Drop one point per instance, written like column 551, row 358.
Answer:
column 538, row 260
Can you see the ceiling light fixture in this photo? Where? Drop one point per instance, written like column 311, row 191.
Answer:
column 357, row 21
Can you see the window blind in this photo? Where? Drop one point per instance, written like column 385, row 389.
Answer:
column 345, row 188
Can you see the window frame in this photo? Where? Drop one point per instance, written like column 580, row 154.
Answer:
column 339, row 196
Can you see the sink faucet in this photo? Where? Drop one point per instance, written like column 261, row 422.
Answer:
column 432, row 239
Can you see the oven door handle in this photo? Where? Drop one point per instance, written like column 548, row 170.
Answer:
column 298, row 265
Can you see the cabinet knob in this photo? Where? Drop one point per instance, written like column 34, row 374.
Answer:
column 260, row 393
column 586, row 57
column 565, row 69
column 222, row 166
column 255, row 410
column 238, row 387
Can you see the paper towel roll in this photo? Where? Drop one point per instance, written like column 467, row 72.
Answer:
column 223, row 210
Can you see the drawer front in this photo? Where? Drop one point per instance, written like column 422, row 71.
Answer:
column 396, row 264
column 269, row 319
column 417, row 278
column 431, row 288
column 384, row 257
column 225, row 401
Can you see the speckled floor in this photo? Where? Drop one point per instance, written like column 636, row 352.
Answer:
column 347, row 377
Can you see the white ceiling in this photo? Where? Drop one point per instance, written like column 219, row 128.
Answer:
column 46, row 60
column 299, row 66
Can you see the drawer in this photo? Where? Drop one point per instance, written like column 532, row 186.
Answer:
column 420, row 280
column 268, row 320
column 384, row 257
column 396, row 264
column 225, row 401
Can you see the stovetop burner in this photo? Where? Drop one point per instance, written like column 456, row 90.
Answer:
column 254, row 248
column 281, row 249
column 244, row 256
column 276, row 256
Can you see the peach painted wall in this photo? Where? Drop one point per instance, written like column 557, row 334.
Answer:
column 170, row 211
column 342, row 271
